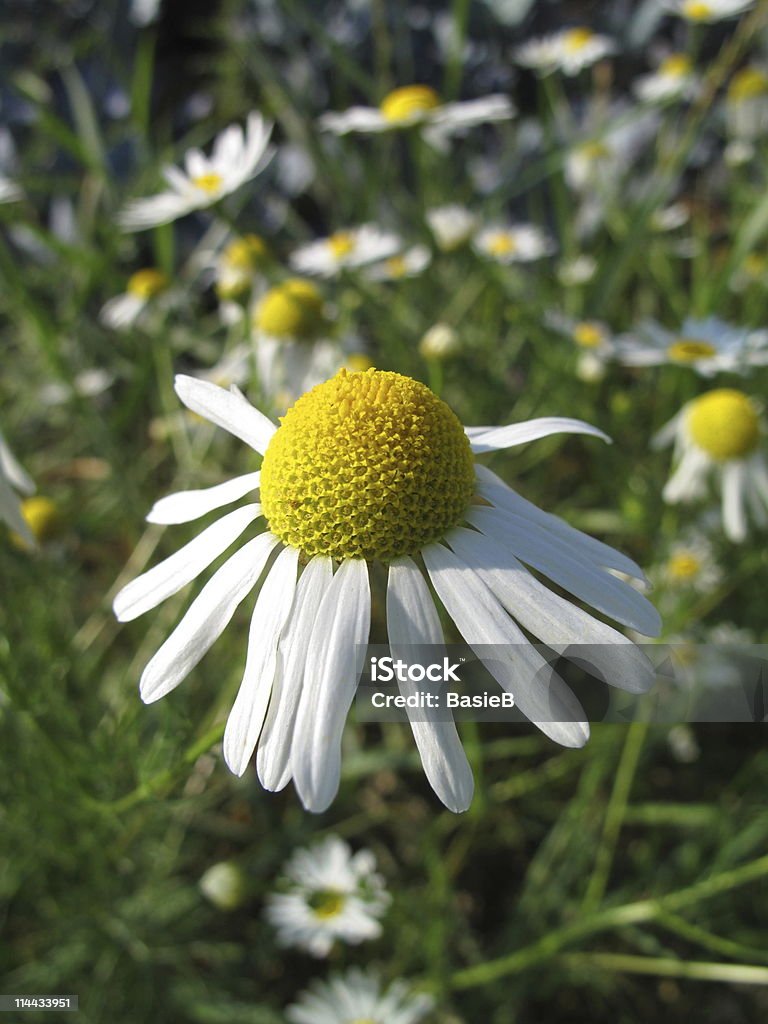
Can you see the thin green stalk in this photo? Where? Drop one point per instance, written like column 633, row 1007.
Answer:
column 742, row 974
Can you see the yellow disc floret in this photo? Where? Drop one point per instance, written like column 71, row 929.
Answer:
column 588, row 334
column 724, row 423
column 690, row 350
column 327, row 903
column 677, row 65
column 293, row 309
column 147, row 283
column 407, row 103
column 575, row 39
column 43, row 519
column 210, row 183
column 747, row 84
column 367, row 465
column 246, row 253
column 697, row 11
column 341, row 244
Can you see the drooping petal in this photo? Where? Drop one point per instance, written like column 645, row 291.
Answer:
column 151, row 588
column 413, row 626
column 12, row 470
column 10, row 511
column 734, row 514
column 227, row 409
column 269, row 617
column 332, row 671
column 539, row 692
column 493, row 438
column 273, row 758
column 206, row 618
column 184, row 506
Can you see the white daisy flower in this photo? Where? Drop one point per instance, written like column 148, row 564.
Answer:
column 347, row 249
column 420, row 106
column 707, row 10
column 373, row 467
column 238, row 267
column 513, row 243
column 718, row 435
column 674, row 79
column 9, row 190
column 125, row 310
column 224, row 885
column 708, row 346
column 334, row 896
column 746, row 104
column 690, row 564
column 406, row 264
column 593, row 341
column 597, row 163
column 236, row 158
column 569, row 51
column 13, row 479
column 440, row 341
column 358, row 997
column 452, row 225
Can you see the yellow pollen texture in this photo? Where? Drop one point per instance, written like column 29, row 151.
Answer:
column 724, row 424
column 293, row 309
column 407, row 102
column 367, row 465
column 689, row 350
column 209, row 183
column 147, row 283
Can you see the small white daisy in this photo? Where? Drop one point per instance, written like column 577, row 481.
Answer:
column 10, row 192
column 707, row 11
column 143, row 288
column 598, row 162
column 452, row 225
column 358, row 997
column 718, row 435
column 690, row 564
column 333, row 896
column 439, row 342
column 746, row 104
column 236, row 158
column 406, row 264
column 708, row 346
column 346, row 249
column 224, row 885
column 239, row 265
column 13, row 479
column 513, row 243
column 420, row 106
column 373, row 467
column 674, row 79
column 593, row 341
column 569, row 51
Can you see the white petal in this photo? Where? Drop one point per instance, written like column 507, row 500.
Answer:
column 492, row 438
column 687, row 481
column 355, row 119
column 206, row 618
column 334, row 664
column 227, row 409
column 148, row 590
column 566, row 566
column 555, row 621
column 11, row 469
column 734, row 517
column 413, row 623
column 539, row 692
column 494, row 488
column 184, row 506
column 10, row 512
column 153, row 211
column 273, row 759
column 269, row 616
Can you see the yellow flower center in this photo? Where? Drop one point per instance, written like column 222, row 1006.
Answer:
column 293, row 309
column 408, row 102
column 367, row 465
column 747, row 84
column 327, row 903
column 501, row 244
column 755, row 265
column 42, row 517
column 697, row 11
column 397, row 266
column 593, row 151
column 245, row 253
column 724, row 424
column 690, row 350
column 677, row 65
column 341, row 244
column 145, row 284
column 683, row 566
column 209, row 183
column 588, row 334
column 576, row 39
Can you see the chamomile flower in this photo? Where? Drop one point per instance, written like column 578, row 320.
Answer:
column 239, row 265
column 13, row 481
column 452, row 225
column 409, row 263
column 143, row 288
column 346, row 249
column 224, row 885
column 593, row 342
column 674, row 79
column 690, row 565
column 707, row 346
column 420, row 106
column 237, row 157
column 439, row 342
column 569, row 51
column 333, row 896
column 746, row 104
column 718, row 436
column 373, row 467
column 513, row 243
column 707, row 11
column 358, row 997
column 606, row 150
